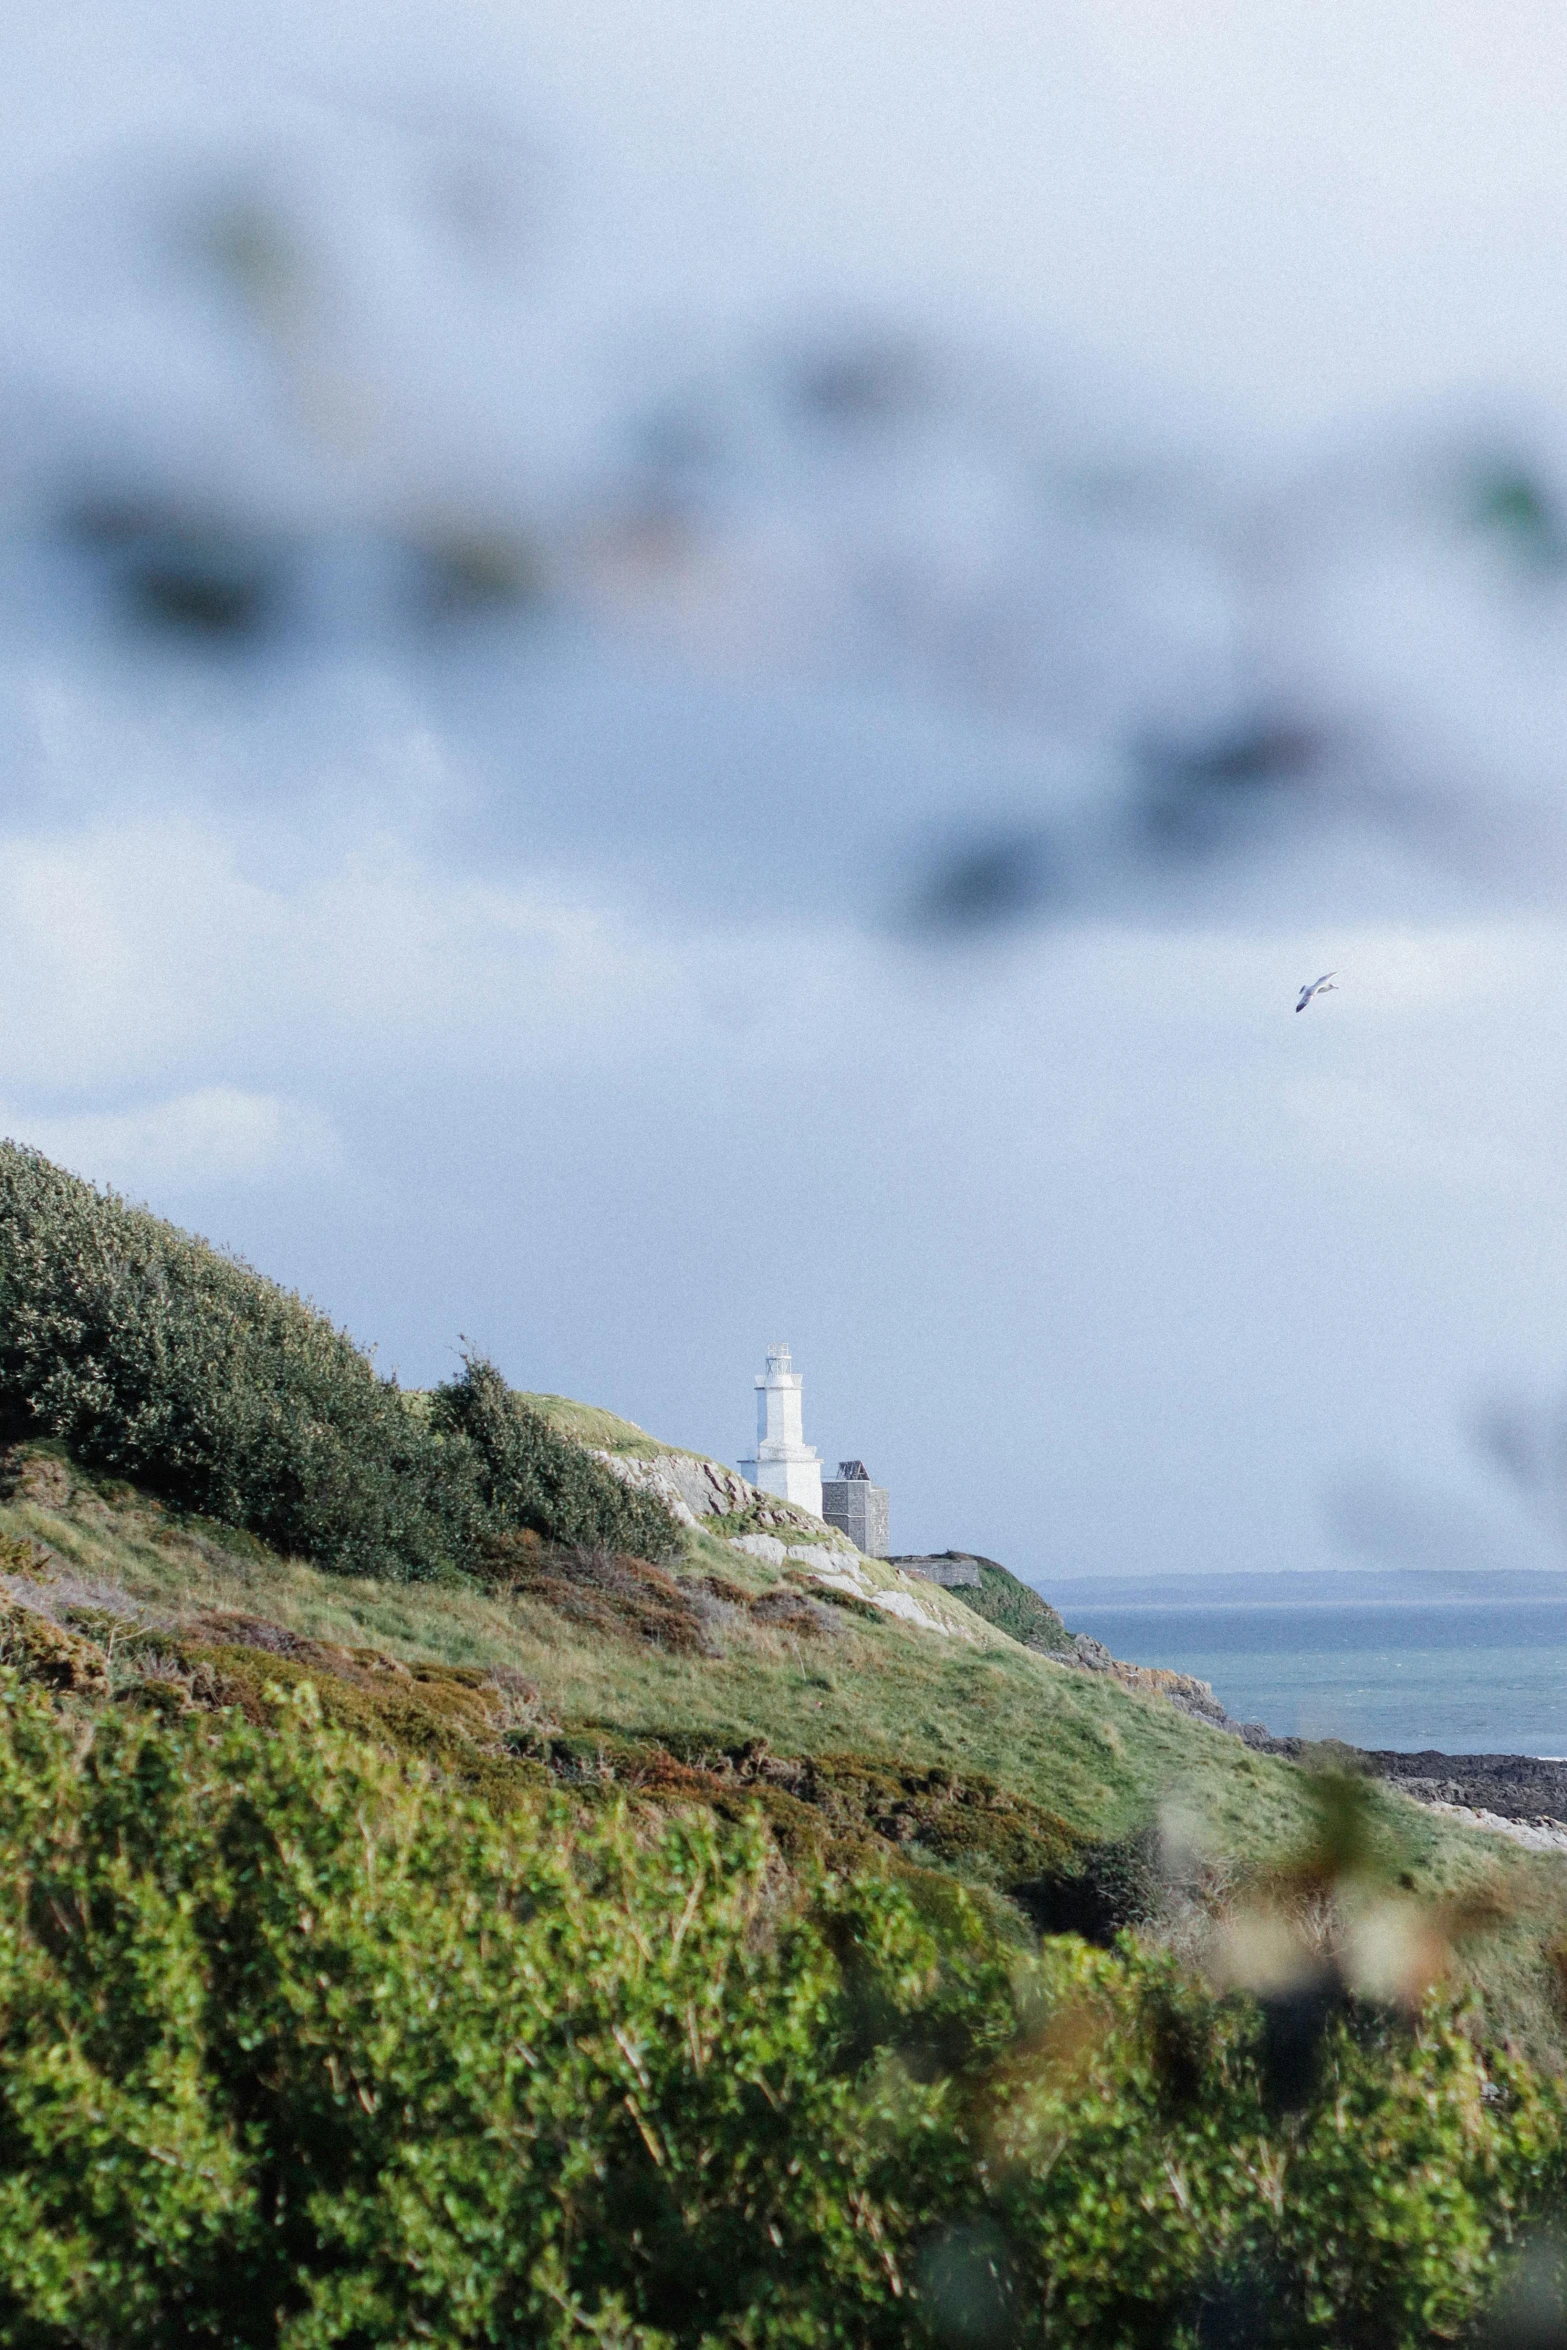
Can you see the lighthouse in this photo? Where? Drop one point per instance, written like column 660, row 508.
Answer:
column 785, row 1464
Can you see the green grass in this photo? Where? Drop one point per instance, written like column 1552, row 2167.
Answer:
column 1015, row 1607
column 1104, row 1757
column 585, row 1423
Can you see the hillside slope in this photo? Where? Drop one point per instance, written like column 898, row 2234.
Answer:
column 109, row 1592
column 762, row 1658
column 995, row 1593
column 157, row 1357
column 568, row 1919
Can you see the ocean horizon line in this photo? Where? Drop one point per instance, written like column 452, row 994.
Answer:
column 1305, row 1587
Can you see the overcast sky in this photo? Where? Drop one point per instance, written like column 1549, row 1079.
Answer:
column 543, row 988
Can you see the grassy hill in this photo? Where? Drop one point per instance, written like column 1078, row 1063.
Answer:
column 586, row 1423
column 1006, row 1601
column 972, row 1757
column 661, row 1927
column 165, row 1380
column 196, row 1454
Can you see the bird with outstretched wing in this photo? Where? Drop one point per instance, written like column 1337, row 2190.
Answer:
column 1322, row 986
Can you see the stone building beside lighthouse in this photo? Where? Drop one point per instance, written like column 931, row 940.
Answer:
column 784, row 1464
column 857, row 1508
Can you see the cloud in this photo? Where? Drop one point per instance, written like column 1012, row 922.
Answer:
column 149, row 951
column 218, row 1135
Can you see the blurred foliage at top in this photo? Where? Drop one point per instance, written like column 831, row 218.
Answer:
column 302, row 376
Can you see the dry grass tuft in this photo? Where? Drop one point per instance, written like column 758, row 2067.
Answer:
column 608, row 1591
column 787, row 1610
column 20, row 1555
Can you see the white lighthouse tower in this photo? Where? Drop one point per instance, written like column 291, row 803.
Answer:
column 785, row 1464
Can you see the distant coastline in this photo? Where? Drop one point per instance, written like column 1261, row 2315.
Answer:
column 1523, row 1795
column 1305, row 1587
column 1381, row 1659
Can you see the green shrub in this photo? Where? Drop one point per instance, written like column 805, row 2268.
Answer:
column 298, row 2048
column 1015, row 1607
column 295, row 2050
column 531, row 1477
column 155, row 1357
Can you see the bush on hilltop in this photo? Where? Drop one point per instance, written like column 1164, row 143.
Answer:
column 159, row 1359
column 529, row 1476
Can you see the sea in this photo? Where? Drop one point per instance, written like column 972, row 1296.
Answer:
column 1467, row 1663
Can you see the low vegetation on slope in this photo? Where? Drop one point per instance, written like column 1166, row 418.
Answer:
column 718, row 1647
column 154, row 1356
column 1012, row 1605
column 578, row 2025
column 733, row 1685
column 300, row 2048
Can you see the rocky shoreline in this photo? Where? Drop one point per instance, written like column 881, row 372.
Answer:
column 1524, row 1795
column 1519, row 1787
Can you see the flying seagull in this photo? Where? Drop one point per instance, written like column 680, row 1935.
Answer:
column 1322, row 986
